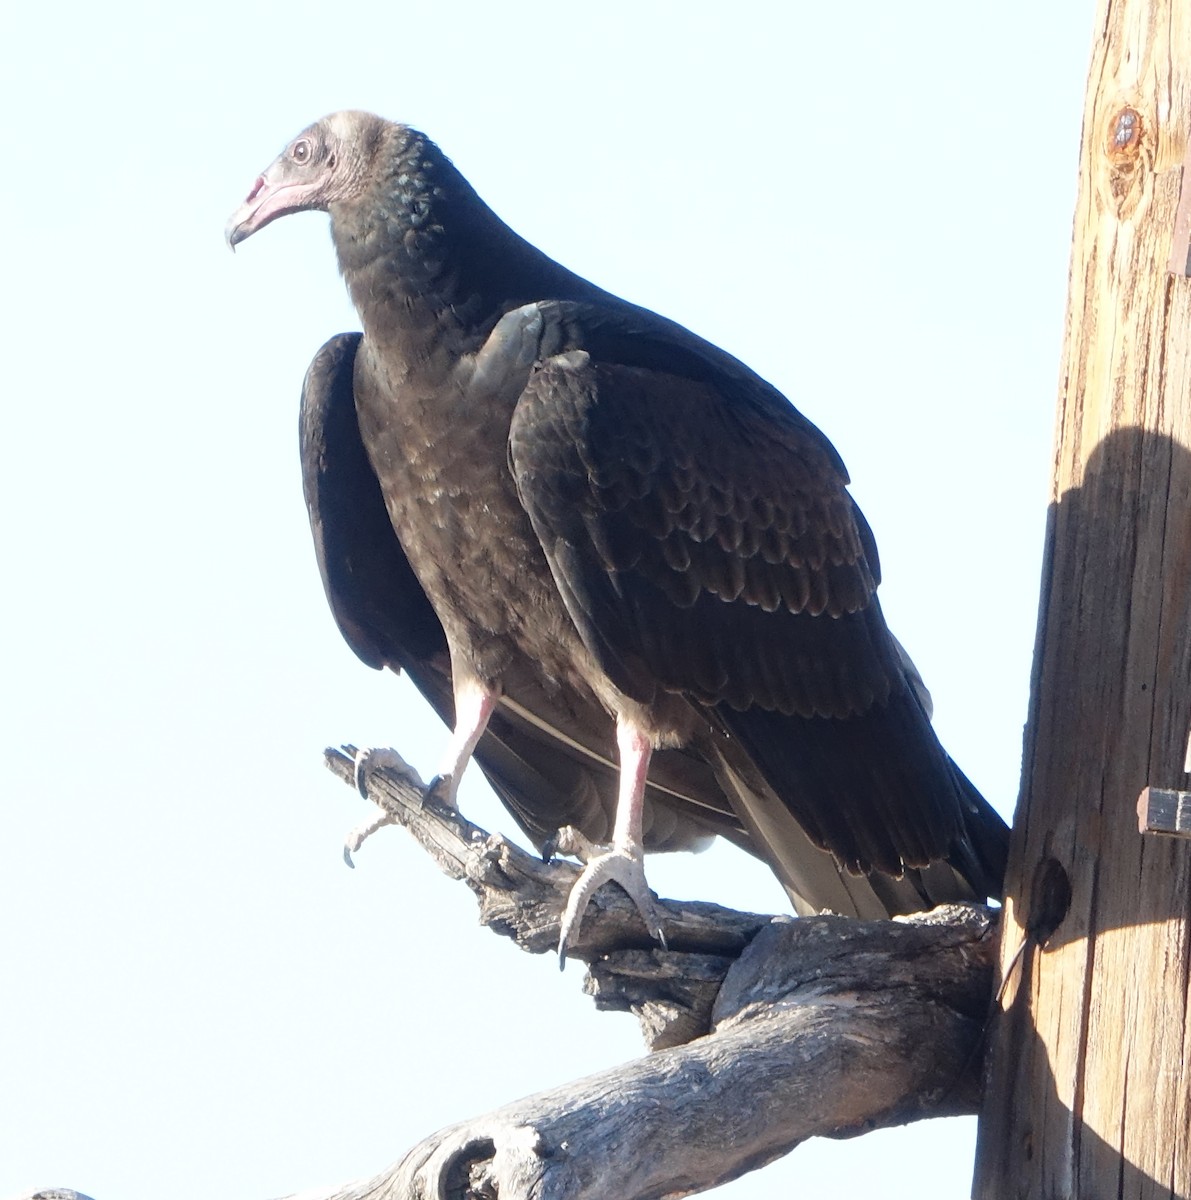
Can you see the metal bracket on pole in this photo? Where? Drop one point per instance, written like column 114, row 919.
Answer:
column 1163, row 810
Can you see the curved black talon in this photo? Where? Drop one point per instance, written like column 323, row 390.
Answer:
column 361, row 773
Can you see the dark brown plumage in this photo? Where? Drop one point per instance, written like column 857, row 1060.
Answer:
column 622, row 531
column 551, row 758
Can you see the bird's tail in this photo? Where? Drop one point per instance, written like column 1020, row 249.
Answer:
column 866, row 815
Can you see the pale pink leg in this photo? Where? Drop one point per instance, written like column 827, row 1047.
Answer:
column 635, row 752
column 623, row 861
column 473, row 706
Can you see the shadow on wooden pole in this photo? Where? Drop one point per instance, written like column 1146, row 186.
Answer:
column 1090, row 1089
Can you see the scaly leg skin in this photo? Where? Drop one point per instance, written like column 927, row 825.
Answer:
column 473, row 706
column 572, row 841
column 374, row 758
column 623, row 861
column 369, row 760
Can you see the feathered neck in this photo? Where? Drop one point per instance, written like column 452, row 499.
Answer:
column 419, row 249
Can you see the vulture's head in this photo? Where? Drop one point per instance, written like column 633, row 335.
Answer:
column 329, row 162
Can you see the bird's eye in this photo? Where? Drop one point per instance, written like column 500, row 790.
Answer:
column 300, row 152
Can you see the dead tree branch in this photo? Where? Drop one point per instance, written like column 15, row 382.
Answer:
column 822, row 1026
column 670, row 991
column 768, row 1031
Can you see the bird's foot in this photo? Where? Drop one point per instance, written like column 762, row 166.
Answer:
column 381, row 757
column 443, row 788
column 368, row 760
column 569, row 840
column 358, row 836
column 615, row 864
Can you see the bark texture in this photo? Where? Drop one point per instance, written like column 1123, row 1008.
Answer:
column 767, row 1031
column 1090, row 1092
column 821, row 1026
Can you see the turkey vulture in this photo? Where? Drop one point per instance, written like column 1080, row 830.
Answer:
column 593, row 538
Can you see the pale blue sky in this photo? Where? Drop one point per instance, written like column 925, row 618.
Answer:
column 870, row 204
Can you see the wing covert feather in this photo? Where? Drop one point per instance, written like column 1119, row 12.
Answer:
column 547, row 761
column 700, row 544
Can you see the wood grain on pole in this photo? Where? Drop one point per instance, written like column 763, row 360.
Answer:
column 1090, row 1088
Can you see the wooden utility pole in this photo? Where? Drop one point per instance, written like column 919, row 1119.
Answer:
column 1090, row 1087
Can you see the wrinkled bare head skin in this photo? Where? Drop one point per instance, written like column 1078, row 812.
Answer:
column 327, row 163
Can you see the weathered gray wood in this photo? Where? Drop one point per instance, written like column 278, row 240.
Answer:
column 824, row 1027
column 1090, row 1089
column 521, row 897
column 820, row 1026
column 52, row 1194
